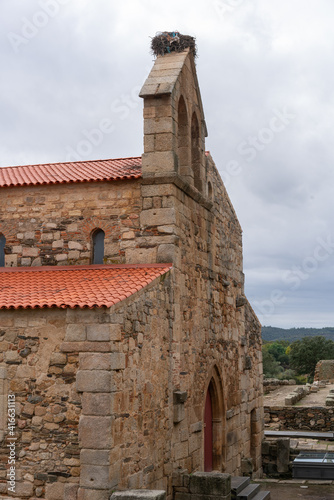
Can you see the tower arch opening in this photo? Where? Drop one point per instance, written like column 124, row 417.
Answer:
column 196, row 152
column 183, row 138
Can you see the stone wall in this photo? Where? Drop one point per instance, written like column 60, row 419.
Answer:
column 324, row 370
column 42, row 379
column 94, row 400
column 211, row 330
column 52, row 224
column 297, row 394
column 197, row 486
column 271, row 384
column 127, row 397
column 277, row 458
column 319, row 419
column 201, row 486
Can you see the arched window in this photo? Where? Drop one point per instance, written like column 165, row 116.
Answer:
column 2, row 250
column 183, row 138
column 98, row 246
column 196, row 152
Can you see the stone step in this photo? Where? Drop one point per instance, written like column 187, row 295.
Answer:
column 238, row 484
column 262, row 495
column 249, row 492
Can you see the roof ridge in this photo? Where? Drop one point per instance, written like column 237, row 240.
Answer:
column 86, row 267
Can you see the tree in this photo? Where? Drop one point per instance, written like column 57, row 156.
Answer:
column 278, row 351
column 271, row 367
column 305, row 353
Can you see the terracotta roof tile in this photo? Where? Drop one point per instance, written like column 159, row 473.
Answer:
column 74, row 286
column 82, row 171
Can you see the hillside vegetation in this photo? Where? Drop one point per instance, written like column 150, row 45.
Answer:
column 285, row 360
column 270, row 333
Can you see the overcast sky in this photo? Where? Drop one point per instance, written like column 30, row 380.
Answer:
column 266, row 75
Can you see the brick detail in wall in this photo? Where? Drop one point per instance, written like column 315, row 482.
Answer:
column 94, row 223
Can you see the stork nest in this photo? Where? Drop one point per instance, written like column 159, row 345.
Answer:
column 172, row 41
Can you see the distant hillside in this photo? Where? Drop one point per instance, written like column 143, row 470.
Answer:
column 270, row 333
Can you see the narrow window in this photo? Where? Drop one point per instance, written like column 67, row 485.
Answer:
column 196, row 152
column 98, row 246
column 210, row 191
column 2, row 250
column 183, row 138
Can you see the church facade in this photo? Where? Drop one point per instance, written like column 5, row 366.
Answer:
column 126, row 340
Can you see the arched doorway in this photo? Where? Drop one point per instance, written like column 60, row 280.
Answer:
column 214, row 425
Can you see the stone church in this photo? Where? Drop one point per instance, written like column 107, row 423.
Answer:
column 127, row 347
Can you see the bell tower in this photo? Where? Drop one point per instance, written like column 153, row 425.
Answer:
column 174, row 123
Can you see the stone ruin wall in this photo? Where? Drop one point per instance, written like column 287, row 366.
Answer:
column 324, row 370
column 301, row 418
column 271, row 384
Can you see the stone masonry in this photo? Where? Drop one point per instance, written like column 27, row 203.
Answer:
column 113, row 398
column 324, row 370
column 53, row 225
column 301, row 418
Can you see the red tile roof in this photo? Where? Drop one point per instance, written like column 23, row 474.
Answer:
column 74, row 286
column 81, row 171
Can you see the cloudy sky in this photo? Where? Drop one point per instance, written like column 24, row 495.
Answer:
column 266, row 74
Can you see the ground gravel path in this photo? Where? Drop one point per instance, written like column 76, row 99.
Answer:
column 277, row 397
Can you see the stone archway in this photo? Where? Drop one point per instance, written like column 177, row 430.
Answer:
column 214, row 424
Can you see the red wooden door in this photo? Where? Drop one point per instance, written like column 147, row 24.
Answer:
column 208, row 436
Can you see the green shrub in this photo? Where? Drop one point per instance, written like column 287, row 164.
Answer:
column 301, row 379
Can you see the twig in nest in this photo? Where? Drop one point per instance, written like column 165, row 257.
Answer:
column 172, row 41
